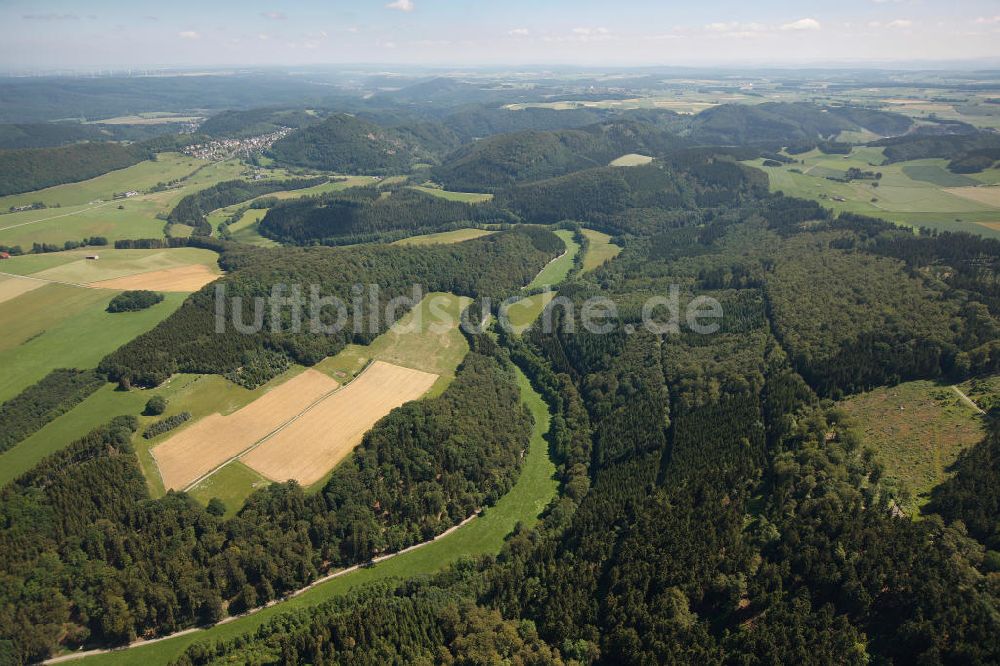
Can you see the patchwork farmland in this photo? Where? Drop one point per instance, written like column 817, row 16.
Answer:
column 206, row 445
column 312, row 444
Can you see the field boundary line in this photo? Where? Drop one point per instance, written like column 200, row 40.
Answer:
column 68, row 284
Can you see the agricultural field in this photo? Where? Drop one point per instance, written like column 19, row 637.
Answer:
column 632, row 159
column 196, row 450
column 73, row 267
column 60, row 326
column 139, row 177
column 465, row 197
column 916, row 429
column 426, row 339
column 317, row 439
column 151, row 118
column 135, row 217
column 534, row 489
column 600, row 250
column 444, row 237
column 914, row 193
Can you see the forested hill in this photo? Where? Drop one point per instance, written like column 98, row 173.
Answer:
column 370, row 213
column 27, row 170
column 493, row 266
column 492, row 164
column 348, row 144
column 784, row 124
column 99, row 561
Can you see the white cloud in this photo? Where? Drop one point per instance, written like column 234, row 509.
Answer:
column 401, row 5
column 985, row 20
column 189, row 34
column 519, row 32
column 262, row 36
column 590, row 31
column 802, row 24
column 274, row 16
column 899, row 23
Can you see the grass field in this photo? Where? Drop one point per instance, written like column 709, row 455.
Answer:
column 58, row 326
column 557, row 269
column 232, row 484
column 534, row 489
column 310, row 446
column 72, row 266
column 917, row 429
column 465, row 197
column 96, row 410
column 138, row 177
column 136, row 217
column 600, row 249
column 524, row 312
column 914, row 193
column 632, row 159
column 445, row 237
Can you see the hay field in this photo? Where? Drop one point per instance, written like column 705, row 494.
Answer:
column 989, row 196
column 632, row 159
column 465, row 197
column 197, row 450
column 312, row 444
column 12, row 287
column 182, row 278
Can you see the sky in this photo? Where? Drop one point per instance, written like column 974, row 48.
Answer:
column 50, row 34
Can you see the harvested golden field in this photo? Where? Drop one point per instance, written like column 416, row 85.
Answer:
column 984, row 194
column 204, row 446
column 182, row 278
column 12, row 287
column 312, row 444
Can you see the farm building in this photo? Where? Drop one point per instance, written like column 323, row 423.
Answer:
column 93, row 257
column 4, row 255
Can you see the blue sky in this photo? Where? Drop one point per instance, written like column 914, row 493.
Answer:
column 59, row 33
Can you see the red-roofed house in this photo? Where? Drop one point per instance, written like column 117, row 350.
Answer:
column 4, row 255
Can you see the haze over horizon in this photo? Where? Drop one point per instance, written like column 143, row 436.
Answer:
column 62, row 34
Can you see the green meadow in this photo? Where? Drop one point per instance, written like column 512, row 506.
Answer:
column 600, row 250
column 465, row 197
column 557, row 269
column 444, row 237
column 59, row 326
column 913, row 193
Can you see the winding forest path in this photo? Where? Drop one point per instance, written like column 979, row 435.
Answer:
column 476, row 535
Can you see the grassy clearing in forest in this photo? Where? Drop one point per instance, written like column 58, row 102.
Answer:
column 916, row 429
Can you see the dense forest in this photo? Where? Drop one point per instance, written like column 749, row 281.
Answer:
column 118, row 565
column 371, row 212
column 34, row 169
column 348, row 144
column 493, row 267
